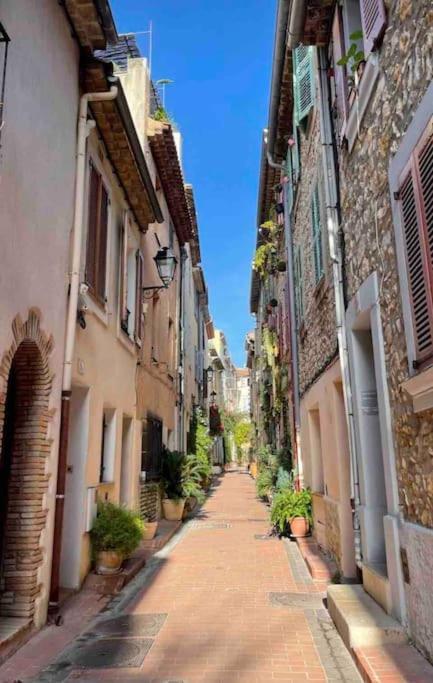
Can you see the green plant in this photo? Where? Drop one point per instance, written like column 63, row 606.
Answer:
column 172, row 474
column 264, row 258
column 354, row 56
column 288, row 504
column 192, row 477
column 264, row 483
column 284, row 479
column 242, row 436
column 116, row 528
column 161, row 115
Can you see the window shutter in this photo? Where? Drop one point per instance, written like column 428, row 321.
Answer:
column 340, row 72
column 295, row 154
column 123, row 267
column 299, row 294
column 373, row 17
column 138, row 331
column 289, row 185
column 102, row 242
column 425, row 171
column 92, row 228
column 303, row 77
column 316, row 224
column 417, row 195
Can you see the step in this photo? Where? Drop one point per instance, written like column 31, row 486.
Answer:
column 359, row 619
column 376, row 583
column 320, row 567
column 392, row 662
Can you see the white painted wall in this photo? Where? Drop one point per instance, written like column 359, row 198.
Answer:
column 37, row 170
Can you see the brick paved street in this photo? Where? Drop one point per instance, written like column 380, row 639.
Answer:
column 234, row 606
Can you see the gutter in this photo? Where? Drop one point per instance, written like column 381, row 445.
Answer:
column 284, row 9
column 107, row 20
column 125, row 114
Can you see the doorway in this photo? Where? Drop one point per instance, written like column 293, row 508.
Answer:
column 126, row 462
column 23, row 481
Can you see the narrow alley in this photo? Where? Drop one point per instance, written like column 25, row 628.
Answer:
column 223, row 602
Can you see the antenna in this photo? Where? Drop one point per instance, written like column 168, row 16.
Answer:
column 149, row 33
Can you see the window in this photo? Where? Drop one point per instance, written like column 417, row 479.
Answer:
column 108, row 447
column 96, row 257
column 303, row 81
column 367, row 17
column 416, row 207
column 151, row 447
column 317, row 234
column 299, row 285
column 131, row 286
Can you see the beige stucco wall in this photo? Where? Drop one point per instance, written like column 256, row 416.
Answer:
column 37, row 171
column 325, row 458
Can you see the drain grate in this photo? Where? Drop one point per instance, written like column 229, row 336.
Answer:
column 131, row 625
column 300, row 600
column 107, row 653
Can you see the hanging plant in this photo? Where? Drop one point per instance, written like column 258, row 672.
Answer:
column 264, row 259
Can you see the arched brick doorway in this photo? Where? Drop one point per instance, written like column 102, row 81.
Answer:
column 24, row 448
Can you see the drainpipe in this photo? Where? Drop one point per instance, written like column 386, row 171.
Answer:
column 84, row 128
column 296, row 23
column 335, row 251
column 181, row 371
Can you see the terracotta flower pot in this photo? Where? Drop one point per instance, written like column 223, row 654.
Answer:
column 108, row 562
column 149, row 530
column 173, row 509
column 299, row 527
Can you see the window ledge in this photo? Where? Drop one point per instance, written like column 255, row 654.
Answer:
column 359, row 106
column 420, row 389
column 127, row 342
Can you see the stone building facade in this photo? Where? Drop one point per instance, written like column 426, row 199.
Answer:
column 363, row 347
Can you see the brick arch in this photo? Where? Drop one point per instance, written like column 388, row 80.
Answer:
column 25, row 389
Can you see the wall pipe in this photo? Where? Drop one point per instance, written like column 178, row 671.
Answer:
column 335, row 251
column 84, row 128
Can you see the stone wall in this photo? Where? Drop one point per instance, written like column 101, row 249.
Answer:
column 405, row 63
column 317, row 340
column 25, row 388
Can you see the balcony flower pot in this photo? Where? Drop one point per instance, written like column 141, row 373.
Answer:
column 108, row 562
column 173, row 508
column 149, row 530
column 299, row 527
column 281, row 266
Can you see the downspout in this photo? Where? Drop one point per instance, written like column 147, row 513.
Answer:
column 181, row 370
column 296, row 23
column 84, row 128
column 293, row 338
column 335, row 251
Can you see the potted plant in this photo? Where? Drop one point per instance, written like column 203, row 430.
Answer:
column 192, row 474
column 115, row 534
column 173, row 501
column 292, row 509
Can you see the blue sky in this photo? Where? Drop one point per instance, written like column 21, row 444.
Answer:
column 219, row 56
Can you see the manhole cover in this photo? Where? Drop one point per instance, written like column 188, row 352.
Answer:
column 107, row 653
column 302, row 600
column 129, row 625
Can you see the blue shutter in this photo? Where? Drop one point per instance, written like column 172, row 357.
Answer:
column 296, row 166
column 316, row 225
column 303, row 81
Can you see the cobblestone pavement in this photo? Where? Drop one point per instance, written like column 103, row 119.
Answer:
column 221, row 603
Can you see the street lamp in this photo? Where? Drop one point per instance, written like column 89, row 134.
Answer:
column 209, row 373
column 166, row 263
column 161, row 83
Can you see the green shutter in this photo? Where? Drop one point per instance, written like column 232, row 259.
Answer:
column 299, row 285
column 295, row 153
column 303, row 81
column 289, row 174
column 316, row 225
